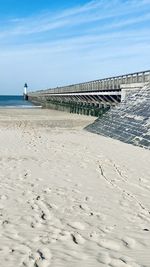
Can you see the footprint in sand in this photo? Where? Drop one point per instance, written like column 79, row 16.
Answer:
column 41, row 258
column 84, row 207
column 44, row 258
column 45, row 213
column 42, row 213
column 129, row 242
column 109, row 244
column 77, row 238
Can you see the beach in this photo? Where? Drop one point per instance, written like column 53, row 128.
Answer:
column 69, row 197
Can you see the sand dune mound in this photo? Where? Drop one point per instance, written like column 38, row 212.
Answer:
column 129, row 121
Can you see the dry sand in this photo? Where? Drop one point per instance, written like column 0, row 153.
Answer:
column 68, row 197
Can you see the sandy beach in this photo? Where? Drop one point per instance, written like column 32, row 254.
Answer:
column 69, row 197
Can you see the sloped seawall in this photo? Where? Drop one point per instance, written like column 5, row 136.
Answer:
column 129, row 121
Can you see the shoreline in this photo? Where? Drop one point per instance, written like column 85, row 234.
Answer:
column 20, row 107
column 74, row 197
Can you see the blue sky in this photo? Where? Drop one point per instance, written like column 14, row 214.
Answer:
column 51, row 43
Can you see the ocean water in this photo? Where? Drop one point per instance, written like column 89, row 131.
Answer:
column 13, row 101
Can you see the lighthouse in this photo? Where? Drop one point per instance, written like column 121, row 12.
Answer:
column 25, row 92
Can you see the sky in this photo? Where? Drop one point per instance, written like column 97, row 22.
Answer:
column 49, row 43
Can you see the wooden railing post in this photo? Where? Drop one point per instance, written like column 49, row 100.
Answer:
column 143, row 77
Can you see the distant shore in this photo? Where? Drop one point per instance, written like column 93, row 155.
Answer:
column 69, row 197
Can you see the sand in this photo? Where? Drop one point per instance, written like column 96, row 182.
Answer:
column 69, row 197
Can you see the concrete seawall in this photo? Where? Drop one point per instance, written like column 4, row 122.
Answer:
column 129, row 121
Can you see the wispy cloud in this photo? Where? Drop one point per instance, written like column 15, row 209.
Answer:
column 94, row 11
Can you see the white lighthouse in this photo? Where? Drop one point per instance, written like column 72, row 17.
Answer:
column 25, row 92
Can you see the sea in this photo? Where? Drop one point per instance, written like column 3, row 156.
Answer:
column 14, row 101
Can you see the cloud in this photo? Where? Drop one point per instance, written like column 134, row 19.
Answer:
column 86, row 42
column 85, row 14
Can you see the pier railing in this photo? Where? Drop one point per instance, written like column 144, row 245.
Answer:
column 111, row 83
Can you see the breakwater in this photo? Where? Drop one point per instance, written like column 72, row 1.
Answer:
column 90, row 98
column 122, row 105
column 73, row 107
